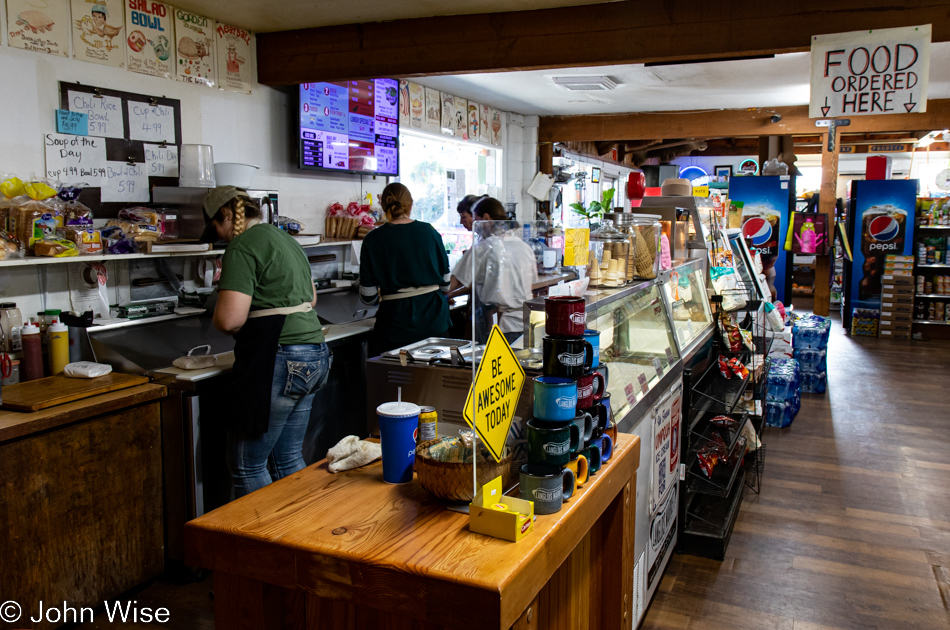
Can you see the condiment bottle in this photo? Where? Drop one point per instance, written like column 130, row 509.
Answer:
column 31, row 364
column 58, row 347
column 10, row 323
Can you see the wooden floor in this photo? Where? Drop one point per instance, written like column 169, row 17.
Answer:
column 851, row 530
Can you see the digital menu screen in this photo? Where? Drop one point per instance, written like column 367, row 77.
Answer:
column 350, row 126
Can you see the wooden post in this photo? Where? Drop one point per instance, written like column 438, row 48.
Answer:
column 826, row 205
column 546, row 153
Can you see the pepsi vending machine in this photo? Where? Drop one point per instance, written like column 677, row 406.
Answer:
column 880, row 222
column 767, row 205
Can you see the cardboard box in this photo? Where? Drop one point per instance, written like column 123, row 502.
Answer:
column 898, row 258
column 897, row 294
column 893, row 325
column 896, row 316
column 903, row 308
column 897, row 335
column 512, row 525
column 898, row 276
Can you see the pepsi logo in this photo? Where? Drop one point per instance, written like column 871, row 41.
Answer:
column 757, row 229
column 415, row 434
column 883, row 228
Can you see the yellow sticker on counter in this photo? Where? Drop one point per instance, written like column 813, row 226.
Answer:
column 494, row 394
column 576, row 243
column 700, row 191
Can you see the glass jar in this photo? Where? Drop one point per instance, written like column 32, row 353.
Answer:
column 644, row 232
column 609, row 257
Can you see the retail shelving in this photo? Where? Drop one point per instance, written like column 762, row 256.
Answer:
column 933, row 322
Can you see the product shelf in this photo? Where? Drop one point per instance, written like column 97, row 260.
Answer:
column 723, row 477
column 754, row 468
column 706, row 431
column 938, row 296
column 934, row 266
column 933, row 322
column 723, row 393
column 933, row 227
column 709, row 522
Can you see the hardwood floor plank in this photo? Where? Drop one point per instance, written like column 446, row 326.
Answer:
column 890, row 578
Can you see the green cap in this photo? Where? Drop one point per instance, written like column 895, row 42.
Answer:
column 220, row 196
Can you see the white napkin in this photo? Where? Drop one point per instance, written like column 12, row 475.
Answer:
column 351, row 452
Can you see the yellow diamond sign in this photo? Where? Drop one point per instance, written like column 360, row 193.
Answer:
column 494, row 394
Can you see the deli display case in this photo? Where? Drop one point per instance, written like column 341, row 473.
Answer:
column 687, row 298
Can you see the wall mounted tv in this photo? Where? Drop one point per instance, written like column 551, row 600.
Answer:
column 350, row 126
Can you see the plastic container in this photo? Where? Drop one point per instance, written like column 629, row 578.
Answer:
column 58, row 347
column 31, row 364
column 644, row 234
column 10, row 322
column 196, row 166
column 609, row 258
column 398, row 425
column 234, row 174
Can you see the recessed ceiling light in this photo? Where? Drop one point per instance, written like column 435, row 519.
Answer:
column 586, row 83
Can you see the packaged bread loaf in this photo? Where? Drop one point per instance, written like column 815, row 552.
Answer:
column 87, row 240
column 55, row 247
column 9, row 246
column 140, row 232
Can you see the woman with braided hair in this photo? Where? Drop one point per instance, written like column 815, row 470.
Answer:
column 404, row 267
column 265, row 299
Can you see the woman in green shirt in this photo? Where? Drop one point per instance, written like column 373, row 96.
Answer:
column 403, row 266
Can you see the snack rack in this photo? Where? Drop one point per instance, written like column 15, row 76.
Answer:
column 710, row 502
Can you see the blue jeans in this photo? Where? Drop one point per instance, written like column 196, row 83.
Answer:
column 299, row 371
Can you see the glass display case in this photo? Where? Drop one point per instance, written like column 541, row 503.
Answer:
column 684, row 288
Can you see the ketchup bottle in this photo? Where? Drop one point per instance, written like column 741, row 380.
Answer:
column 31, row 365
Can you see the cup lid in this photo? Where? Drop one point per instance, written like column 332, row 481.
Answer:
column 398, row 409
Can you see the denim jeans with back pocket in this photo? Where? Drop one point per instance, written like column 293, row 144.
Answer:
column 299, row 371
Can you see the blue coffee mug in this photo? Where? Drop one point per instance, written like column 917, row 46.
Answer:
column 606, row 448
column 593, row 337
column 555, row 398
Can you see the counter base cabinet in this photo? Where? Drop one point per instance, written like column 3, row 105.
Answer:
column 82, row 510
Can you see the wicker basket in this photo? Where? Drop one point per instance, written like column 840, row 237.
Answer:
column 452, row 481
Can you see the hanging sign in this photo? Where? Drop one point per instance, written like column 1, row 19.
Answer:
column 494, row 394
column 74, row 159
column 39, row 25
column 237, row 68
column 883, row 71
column 576, row 247
column 195, row 47
column 99, row 31
column 151, row 29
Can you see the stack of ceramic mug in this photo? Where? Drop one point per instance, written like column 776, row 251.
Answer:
column 566, row 439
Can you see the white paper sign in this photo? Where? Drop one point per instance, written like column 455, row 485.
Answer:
column 161, row 161
column 151, row 124
column 884, row 71
column 75, row 159
column 105, row 113
column 125, row 182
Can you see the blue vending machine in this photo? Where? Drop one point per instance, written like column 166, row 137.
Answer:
column 880, row 222
column 767, row 205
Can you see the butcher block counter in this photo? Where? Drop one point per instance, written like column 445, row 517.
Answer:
column 81, row 488
column 316, row 550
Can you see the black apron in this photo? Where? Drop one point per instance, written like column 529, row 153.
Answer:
column 255, row 352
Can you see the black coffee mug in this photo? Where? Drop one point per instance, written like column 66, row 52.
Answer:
column 567, row 358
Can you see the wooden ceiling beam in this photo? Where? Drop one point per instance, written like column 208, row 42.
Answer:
column 625, row 32
column 728, row 122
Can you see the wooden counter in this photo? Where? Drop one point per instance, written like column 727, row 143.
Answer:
column 316, row 550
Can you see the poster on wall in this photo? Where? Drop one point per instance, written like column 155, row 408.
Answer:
column 484, row 124
column 151, row 30
column 473, row 116
column 99, row 31
column 666, row 444
column 433, row 119
column 236, row 64
column 460, row 118
column 404, row 103
column 417, row 105
column 448, row 114
column 195, row 35
column 495, row 123
column 39, row 25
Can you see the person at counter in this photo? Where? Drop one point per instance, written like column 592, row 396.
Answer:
column 265, row 299
column 503, row 273
column 464, row 208
column 404, row 267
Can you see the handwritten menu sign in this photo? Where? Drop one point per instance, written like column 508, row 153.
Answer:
column 75, row 123
column 75, row 159
column 125, row 182
column 236, row 65
column 99, row 31
column 195, row 48
column 151, row 123
column 105, row 113
column 161, row 161
column 39, row 26
column 151, row 30
column 433, row 117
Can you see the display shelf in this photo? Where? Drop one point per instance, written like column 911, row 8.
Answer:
column 938, row 296
column 934, row 266
column 723, row 393
column 720, row 483
column 933, row 227
column 934, row 322
column 754, row 467
column 706, row 431
column 32, row 261
column 708, row 524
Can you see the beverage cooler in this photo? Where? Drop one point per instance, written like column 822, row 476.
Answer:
column 768, row 202
column 880, row 223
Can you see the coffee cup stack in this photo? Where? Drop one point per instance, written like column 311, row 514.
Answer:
column 566, row 443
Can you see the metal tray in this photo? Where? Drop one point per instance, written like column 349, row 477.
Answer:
column 429, row 350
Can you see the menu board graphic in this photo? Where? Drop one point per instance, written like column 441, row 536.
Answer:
column 99, row 31
column 39, row 25
column 237, row 67
column 151, row 30
column 350, row 126
column 195, row 36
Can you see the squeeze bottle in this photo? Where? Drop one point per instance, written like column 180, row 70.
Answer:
column 31, row 365
column 58, row 347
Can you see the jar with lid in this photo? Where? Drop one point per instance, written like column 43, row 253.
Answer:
column 609, row 256
column 644, row 234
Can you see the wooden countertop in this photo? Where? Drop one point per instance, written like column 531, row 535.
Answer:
column 14, row 424
column 350, row 536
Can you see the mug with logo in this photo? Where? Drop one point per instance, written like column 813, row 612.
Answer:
column 593, row 337
column 566, row 316
column 552, row 445
column 585, row 425
column 568, row 358
column 599, row 415
column 547, row 486
column 555, row 398
column 587, row 394
column 578, row 466
column 611, row 431
column 594, row 461
column 606, row 448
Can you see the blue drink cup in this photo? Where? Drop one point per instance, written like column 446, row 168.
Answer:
column 593, row 336
column 398, row 422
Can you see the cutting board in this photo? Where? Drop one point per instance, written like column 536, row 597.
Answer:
column 48, row 392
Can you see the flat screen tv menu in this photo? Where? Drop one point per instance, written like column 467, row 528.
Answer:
column 350, row 126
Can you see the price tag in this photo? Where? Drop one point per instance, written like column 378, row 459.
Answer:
column 125, row 182
column 658, row 366
column 161, row 161
column 103, row 115
column 644, row 387
column 151, row 124
column 76, row 123
column 669, row 355
column 75, row 159
column 631, row 394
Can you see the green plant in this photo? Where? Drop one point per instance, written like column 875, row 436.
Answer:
column 597, row 208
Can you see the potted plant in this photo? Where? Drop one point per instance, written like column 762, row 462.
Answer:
column 597, row 208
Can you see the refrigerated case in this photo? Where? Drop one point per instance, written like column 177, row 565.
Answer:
column 684, row 289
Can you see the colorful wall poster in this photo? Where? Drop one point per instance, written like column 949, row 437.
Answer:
column 195, row 47
column 99, row 31
column 39, row 25
column 417, row 99
column 151, row 29
column 460, row 118
column 473, row 117
column 484, row 124
column 237, row 67
column 495, row 123
column 433, row 119
column 448, row 114
column 404, row 103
